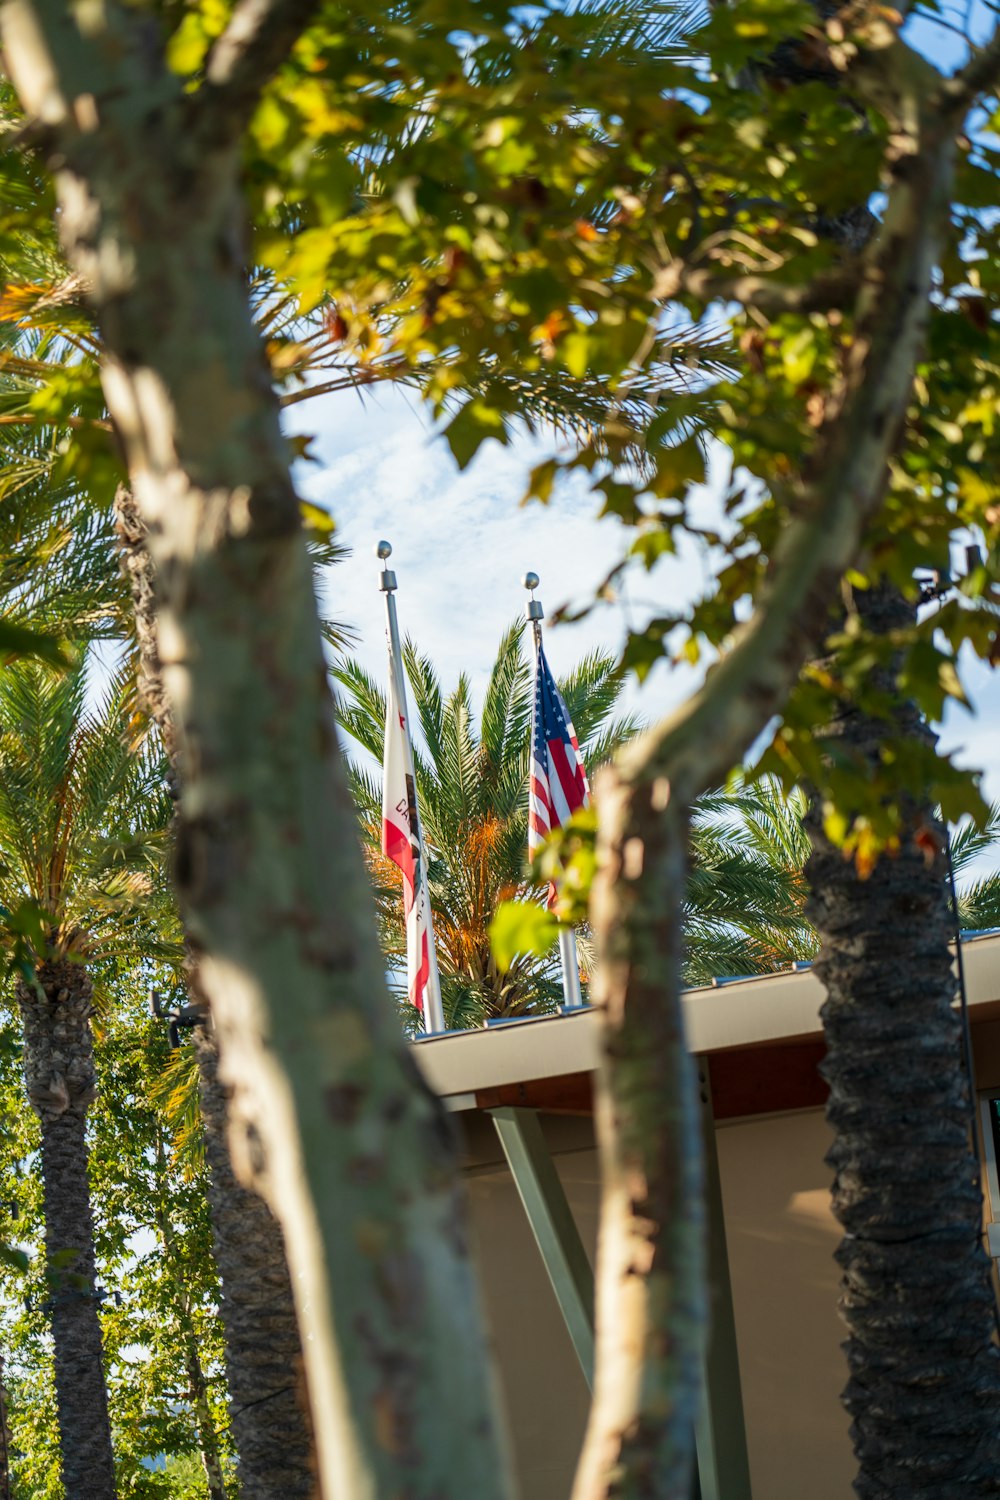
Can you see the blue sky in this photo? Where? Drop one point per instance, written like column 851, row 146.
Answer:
column 461, row 543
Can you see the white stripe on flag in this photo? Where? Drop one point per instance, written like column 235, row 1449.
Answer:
column 560, row 807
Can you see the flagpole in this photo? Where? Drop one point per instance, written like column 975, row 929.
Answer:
column 572, row 994
column 434, row 1011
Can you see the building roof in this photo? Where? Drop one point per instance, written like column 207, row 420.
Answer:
column 745, row 1013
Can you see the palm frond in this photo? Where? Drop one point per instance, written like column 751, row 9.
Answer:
column 969, row 842
column 83, row 814
column 175, row 1093
column 979, row 904
column 506, row 715
column 427, row 700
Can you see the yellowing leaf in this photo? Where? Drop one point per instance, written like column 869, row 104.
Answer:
column 575, row 351
column 521, row 927
column 315, row 519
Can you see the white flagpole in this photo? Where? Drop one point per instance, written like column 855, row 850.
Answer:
column 572, row 994
column 434, row 1010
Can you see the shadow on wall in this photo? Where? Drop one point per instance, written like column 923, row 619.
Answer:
column 781, row 1236
column 544, row 1391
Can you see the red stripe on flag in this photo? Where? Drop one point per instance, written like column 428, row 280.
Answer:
column 539, row 793
column 419, row 986
column 569, row 773
column 398, row 848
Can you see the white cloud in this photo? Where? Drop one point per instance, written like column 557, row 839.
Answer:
column 461, row 543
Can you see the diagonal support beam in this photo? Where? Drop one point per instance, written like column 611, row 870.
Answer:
column 552, row 1224
column 722, row 1470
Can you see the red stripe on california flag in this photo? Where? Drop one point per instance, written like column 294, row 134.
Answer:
column 419, row 986
column 398, row 848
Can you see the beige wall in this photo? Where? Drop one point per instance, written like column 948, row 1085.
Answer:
column 781, row 1238
column 543, row 1387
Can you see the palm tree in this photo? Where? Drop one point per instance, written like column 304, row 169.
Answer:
column 472, row 786
column 83, row 811
column 746, row 890
column 916, row 1295
column 747, row 902
column 744, row 908
column 979, row 899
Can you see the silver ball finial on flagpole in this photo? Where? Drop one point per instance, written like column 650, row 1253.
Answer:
column 533, row 609
column 383, row 551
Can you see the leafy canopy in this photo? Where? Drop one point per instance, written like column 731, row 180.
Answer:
column 622, row 219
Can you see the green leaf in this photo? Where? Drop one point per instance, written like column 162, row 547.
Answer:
column 677, row 467
column 474, row 424
column 16, row 1259
column 652, row 545
column 575, row 351
column 521, row 927
column 642, row 651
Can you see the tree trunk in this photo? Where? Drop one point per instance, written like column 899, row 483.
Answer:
column 267, row 1392
column 650, row 1299
column 137, row 565
column 5, row 1492
column 208, row 1437
column 61, row 1083
column 359, row 1160
column 916, row 1294
column 264, row 1367
column 650, row 1286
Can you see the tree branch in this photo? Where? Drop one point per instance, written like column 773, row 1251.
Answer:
column 981, row 73
column 837, row 496
column 258, row 39
column 836, row 289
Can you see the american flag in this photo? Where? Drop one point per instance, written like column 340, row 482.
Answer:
column 558, row 786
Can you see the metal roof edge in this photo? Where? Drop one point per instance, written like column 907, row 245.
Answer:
column 762, row 1009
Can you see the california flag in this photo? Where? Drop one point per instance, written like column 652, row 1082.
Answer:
column 401, row 842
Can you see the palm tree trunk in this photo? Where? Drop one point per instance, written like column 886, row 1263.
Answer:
column 272, row 1428
column 61, row 1083
column 271, row 1425
column 916, row 1295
